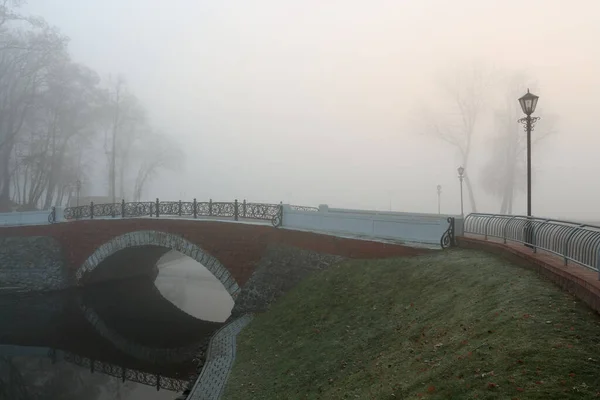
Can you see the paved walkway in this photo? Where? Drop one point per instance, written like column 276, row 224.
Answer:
column 219, row 361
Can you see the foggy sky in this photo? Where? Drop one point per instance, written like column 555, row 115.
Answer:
column 315, row 102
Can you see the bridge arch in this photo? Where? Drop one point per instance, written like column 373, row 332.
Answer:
column 165, row 240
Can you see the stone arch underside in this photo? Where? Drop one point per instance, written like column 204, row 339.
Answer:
column 164, row 240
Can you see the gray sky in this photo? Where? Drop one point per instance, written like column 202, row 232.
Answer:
column 318, row 101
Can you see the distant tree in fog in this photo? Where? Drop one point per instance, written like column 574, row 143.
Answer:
column 466, row 92
column 504, row 174
column 159, row 153
column 54, row 112
column 122, row 118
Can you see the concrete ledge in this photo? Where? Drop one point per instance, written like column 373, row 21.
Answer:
column 576, row 279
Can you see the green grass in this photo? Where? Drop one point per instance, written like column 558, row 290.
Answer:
column 457, row 324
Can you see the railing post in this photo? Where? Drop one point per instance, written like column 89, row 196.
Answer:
column 157, row 382
column 91, row 210
column 534, row 230
column 123, row 208
column 235, row 210
column 504, row 228
column 151, row 209
column 528, row 233
column 566, row 248
column 210, row 207
column 195, row 208
column 486, row 226
column 179, row 211
column 244, row 209
column 123, row 373
column 157, row 208
column 281, row 213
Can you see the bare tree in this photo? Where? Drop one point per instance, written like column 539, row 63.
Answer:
column 52, row 110
column 467, row 92
column 504, row 174
column 22, row 75
column 124, row 114
column 159, row 154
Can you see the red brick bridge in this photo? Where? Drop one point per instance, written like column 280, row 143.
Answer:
column 230, row 250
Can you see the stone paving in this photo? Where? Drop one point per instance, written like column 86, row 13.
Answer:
column 219, row 361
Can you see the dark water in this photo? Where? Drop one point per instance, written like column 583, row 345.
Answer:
column 78, row 344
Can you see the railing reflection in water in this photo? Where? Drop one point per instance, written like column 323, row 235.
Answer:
column 141, row 377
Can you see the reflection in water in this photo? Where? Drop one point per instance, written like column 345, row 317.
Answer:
column 136, row 319
column 192, row 288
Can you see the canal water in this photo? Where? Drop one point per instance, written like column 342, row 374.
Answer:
column 78, row 344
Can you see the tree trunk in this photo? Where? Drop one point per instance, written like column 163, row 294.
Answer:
column 471, row 195
column 5, row 178
column 504, row 205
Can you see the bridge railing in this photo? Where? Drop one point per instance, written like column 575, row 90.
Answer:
column 572, row 241
column 192, row 209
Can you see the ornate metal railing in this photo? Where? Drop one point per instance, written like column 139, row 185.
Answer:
column 52, row 216
column 449, row 237
column 145, row 378
column 194, row 209
column 572, row 241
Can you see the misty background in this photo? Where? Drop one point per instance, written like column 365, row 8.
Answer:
column 348, row 103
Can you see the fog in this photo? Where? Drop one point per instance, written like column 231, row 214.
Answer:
column 332, row 102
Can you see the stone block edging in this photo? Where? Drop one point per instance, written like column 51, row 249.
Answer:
column 219, row 361
column 575, row 279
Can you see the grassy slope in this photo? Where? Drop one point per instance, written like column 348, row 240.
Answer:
column 453, row 325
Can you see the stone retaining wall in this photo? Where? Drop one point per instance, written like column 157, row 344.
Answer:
column 33, row 263
column 280, row 269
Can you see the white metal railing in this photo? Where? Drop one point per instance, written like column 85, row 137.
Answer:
column 572, row 241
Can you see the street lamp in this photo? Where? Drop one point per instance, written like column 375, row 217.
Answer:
column 461, row 176
column 528, row 103
column 439, row 192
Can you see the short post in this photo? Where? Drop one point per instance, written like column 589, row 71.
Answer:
column 123, row 208
column 195, row 208
column 235, row 210
column 528, row 233
column 157, row 382
column 91, row 210
column 281, row 213
column 210, row 207
column 179, row 212
column 151, row 209
column 123, row 374
column 157, row 208
column 244, row 209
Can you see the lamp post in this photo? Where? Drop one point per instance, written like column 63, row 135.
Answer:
column 439, row 192
column 78, row 188
column 528, row 103
column 461, row 176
